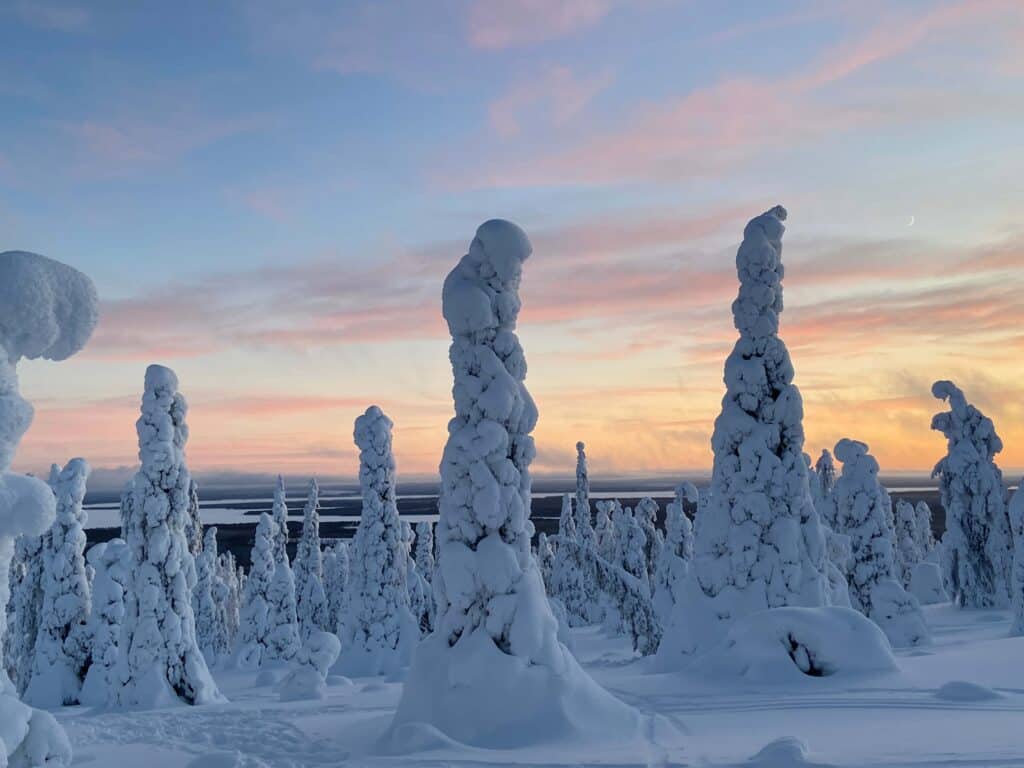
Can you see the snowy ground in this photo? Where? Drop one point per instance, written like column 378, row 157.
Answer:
column 900, row 719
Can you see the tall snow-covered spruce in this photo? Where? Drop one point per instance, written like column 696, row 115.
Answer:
column 63, row 645
column 254, row 616
column 977, row 545
column 759, row 543
column 47, row 310
column 160, row 662
column 378, row 629
column 494, row 673
column 310, row 598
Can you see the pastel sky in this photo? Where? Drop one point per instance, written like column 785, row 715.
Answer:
column 269, row 194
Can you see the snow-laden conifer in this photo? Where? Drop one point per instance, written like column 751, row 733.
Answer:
column 378, row 628
column 63, row 645
column 494, row 671
column 420, row 599
column 254, row 622
column 759, row 543
column 908, row 551
column 207, row 601
column 310, row 597
column 1016, row 515
column 604, row 533
column 336, row 568
column 228, row 596
column 584, row 523
column 282, row 640
column 873, row 580
column 279, row 513
column 546, row 562
column 978, row 538
column 924, row 534
column 160, row 662
column 676, row 551
column 425, row 549
column 646, row 514
column 110, row 561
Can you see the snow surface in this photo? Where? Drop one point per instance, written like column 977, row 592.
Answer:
column 958, row 704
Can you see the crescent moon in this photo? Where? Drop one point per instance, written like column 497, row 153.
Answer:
column 911, row 222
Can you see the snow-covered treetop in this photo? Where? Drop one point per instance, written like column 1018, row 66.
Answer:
column 855, row 454
column 70, row 487
column 376, row 462
column 826, row 470
column 47, row 309
column 482, row 293
column 964, row 422
column 759, row 264
column 161, row 427
column 688, row 491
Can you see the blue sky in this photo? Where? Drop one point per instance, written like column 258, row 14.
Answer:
column 268, row 195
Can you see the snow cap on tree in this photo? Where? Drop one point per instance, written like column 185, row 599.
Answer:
column 971, row 485
column 759, row 543
column 62, row 648
column 160, row 661
column 492, row 610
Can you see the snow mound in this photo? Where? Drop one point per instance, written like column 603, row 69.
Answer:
column 787, row 752
column 521, row 703
column 227, row 760
column 926, row 584
column 960, row 690
column 302, row 683
column 791, row 644
column 47, row 309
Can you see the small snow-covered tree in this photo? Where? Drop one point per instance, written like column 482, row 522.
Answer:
column 282, row 640
column 425, row 550
column 908, row 552
column 924, row 535
column 971, row 486
column 546, row 562
column 646, row 514
column 194, row 523
column 254, row 624
column 47, row 310
column 420, row 600
column 160, row 662
column 568, row 581
column 110, row 560
column 584, row 524
column 631, row 545
column 604, row 533
column 1016, row 514
column 676, row 551
column 227, row 593
column 207, row 600
column 873, row 579
column 62, row 650
column 378, row 628
column 336, row 566
column 759, row 544
column 310, row 597
column 279, row 513
column 26, row 604
column 493, row 613
column 824, row 481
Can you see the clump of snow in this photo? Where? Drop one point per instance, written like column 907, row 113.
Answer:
column 306, row 680
column 978, row 541
column 926, row 584
column 787, row 752
column 48, row 310
column 63, row 646
column 785, row 645
column 493, row 672
column 759, row 543
column 378, row 630
column 960, row 690
column 160, row 662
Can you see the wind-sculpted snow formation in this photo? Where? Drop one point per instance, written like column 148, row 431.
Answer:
column 160, row 662
column 978, row 546
column 759, row 543
column 47, row 310
column 494, row 673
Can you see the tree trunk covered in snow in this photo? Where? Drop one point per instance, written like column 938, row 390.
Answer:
column 759, row 543
column 160, row 661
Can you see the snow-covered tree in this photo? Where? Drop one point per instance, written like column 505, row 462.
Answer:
column 310, row 597
column 568, row 581
column 1016, row 515
column 584, row 524
column 160, row 662
column 227, row 594
column 494, row 670
column 824, row 480
column 425, row 550
column 646, row 514
column 47, row 310
column 676, row 551
column 421, row 602
column 567, row 520
column 908, row 551
column 26, row 604
column 194, row 523
column 282, row 640
column 207, row 601
column 111, row 561
column 63, row 646
column 924, row 535
column 759, row 543
column 279, row 513
column 254, row 624
column 546, row 562
column 631, row 545
column 604, row 533
column 977, row 527
column 336, row 567
column 873, row 579
column 378, row 628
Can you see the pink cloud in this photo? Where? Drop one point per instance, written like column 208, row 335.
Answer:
column 556, row 96
column 496, row 25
